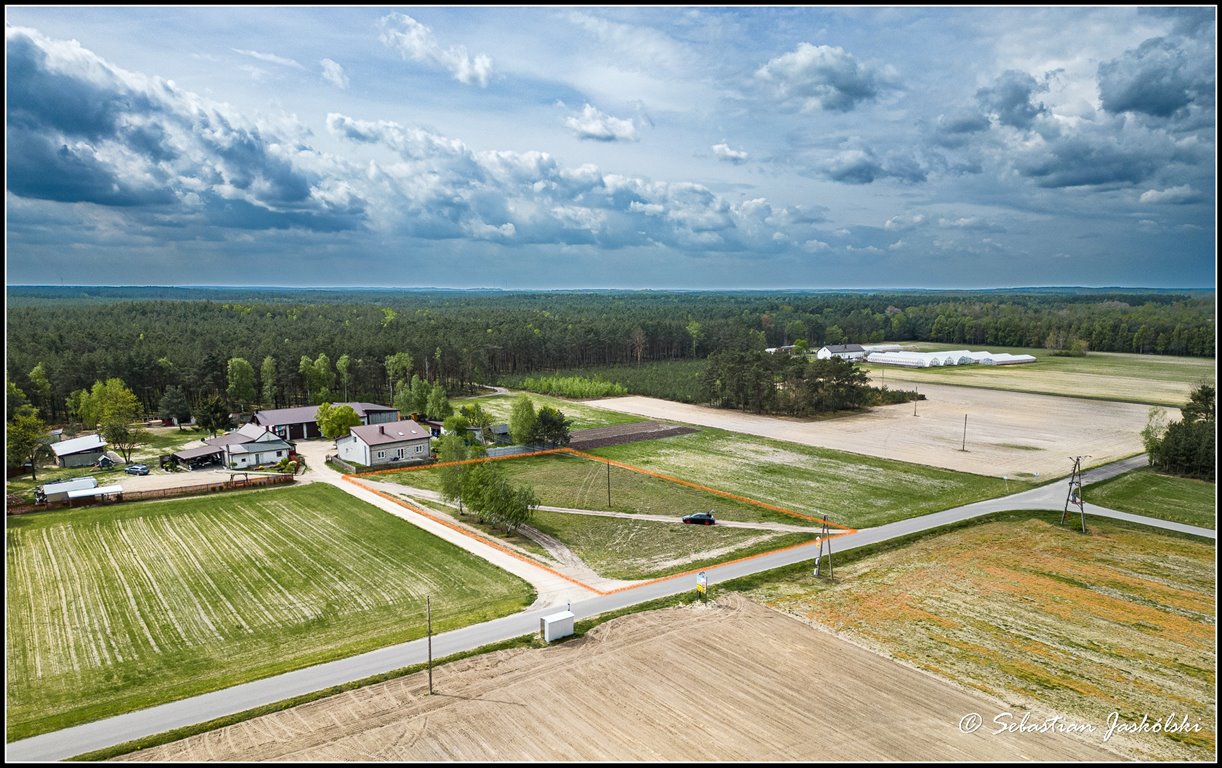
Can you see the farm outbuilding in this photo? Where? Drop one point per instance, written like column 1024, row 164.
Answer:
column 79, row 451
column 59, row 491
column 301, row 423
column 843, row 351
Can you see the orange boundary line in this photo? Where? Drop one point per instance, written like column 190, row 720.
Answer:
column 629, row 467
column 453, row 526
column 844, row 529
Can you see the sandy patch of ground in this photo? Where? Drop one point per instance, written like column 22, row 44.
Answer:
column 729, row 681
column 1009, row 434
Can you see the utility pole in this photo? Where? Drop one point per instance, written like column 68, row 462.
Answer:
column 1074, row 496
column 428, row 609
column 608, row 485
column 916, row 391
column 964, row 448
column 824, row 540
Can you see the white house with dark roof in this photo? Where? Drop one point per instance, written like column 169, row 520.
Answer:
column 250, row 445
column 392, row 443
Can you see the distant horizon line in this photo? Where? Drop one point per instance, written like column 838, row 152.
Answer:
column 789, row 289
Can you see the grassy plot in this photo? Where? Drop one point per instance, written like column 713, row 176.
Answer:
column 574, row 482
column 582, row 416
column 1166, row 497
column 644, row 549
column 1126, row 377
column 121, row 608
column 853, row 490
column 1121, row 620
column 679, row 380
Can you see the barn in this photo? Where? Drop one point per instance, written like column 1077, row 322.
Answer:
column 300, row 423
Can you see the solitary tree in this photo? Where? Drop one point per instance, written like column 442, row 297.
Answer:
column 438, row 406
column 334, row 421
column 25, row 437
column 213, row 415
column 522, row 420
column 174, row 406
column 267, row 376
column 478, row 418
column 241, row 376
column 343, row 366
column 124, row 437
column 552, row 427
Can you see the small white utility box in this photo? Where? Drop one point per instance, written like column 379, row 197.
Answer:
column 556, row 626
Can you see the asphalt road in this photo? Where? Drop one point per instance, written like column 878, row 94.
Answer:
column 116, row 730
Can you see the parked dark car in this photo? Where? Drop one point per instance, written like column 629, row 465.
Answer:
column 700, row 518
column 137, row 469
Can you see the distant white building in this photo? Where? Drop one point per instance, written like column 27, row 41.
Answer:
column 377, row 444
column 952, row 357
column 843, row 351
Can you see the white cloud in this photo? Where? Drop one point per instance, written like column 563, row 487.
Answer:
column 725, row 152
column 904, row 221
column 415, row 41
column 824, row 77
column 1172, row 195
column 334, row 74
column 270, row 58
column 594, row 124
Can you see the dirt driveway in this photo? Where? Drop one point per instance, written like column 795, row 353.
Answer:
column 728, row 681
column 1009, row 434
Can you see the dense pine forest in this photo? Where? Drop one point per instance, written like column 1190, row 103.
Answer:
column 153, row 338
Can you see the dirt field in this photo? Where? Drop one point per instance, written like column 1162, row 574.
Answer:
column 764, row 687
column 1121, row 620
column 1009, row 434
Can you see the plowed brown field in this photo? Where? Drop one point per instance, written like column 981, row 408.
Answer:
column 730, row 680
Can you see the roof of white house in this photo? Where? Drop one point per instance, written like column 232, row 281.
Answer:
column 392, row 432
column 70, row 485
column 838, row 348
column 257, row 447
column 78, row 445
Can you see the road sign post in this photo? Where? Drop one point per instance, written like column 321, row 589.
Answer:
column 702, row 585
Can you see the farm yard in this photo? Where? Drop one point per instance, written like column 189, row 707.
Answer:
column 1009, row 434
column 1122, row 619
column 1123, row 377
column 726, row 681
column 116, row 609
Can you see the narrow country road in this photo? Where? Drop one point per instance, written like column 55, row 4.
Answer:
column 116, row 730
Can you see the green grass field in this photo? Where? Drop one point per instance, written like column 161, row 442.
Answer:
column 1166, row 497
column 643, row 549
column 851, row 489
column 582, row 416
column 120, row 608
column 563, row 480
column 679, row 380
column 1154, row 379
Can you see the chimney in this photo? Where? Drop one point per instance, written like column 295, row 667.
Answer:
column 381, row 430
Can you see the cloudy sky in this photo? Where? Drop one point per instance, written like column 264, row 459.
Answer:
column 611, row 147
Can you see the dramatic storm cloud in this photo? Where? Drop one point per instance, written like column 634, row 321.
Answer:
column 618, row 147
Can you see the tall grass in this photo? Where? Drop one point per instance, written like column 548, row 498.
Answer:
column 577, row 387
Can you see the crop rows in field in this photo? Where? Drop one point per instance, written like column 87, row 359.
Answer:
column 148, row 601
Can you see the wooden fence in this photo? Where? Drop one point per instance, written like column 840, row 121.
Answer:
column 158, row 493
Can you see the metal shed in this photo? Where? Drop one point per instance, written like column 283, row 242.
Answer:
column 556, row 626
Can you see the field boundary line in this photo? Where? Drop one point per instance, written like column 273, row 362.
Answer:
column 728, row 562
column 455, row 527
column 699, row 487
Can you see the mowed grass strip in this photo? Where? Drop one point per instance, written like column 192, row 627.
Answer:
column 618, row 548
column 1120, row 620
column 851, row 489
column 1166, row 497
column 582, row 416
column 116, row 609
column 576, row 482
column 1125, row 377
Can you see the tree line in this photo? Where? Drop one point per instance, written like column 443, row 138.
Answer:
column 298, row 347
column 1186, row 447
